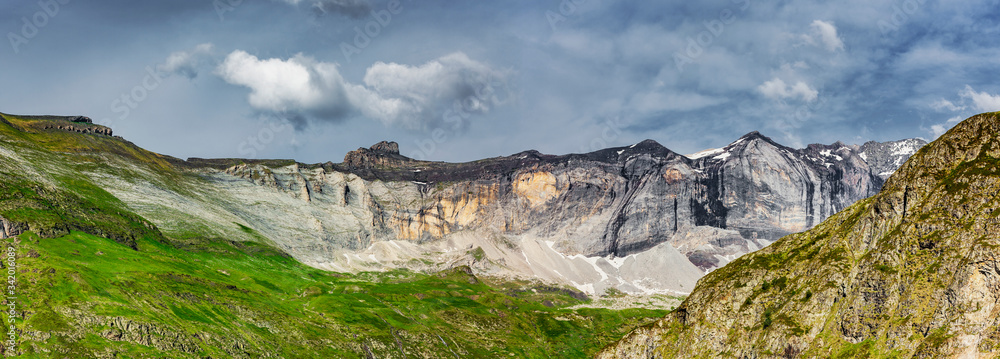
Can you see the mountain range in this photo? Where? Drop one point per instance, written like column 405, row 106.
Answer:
column 912, row 272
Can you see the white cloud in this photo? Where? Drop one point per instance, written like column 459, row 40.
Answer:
column 969, row 99
column 777, row 89
column 982, row 101
column 299, row 84
column 939, row 129
column 186, row 63
column 410, row 96
column 827, row 34
column 451, row 79
column 943, row 104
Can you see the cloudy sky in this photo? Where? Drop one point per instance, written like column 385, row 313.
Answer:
column 457, row 81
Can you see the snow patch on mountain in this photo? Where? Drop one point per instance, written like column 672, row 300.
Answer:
column 704, row 153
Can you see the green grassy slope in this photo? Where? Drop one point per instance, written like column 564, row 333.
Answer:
column 84, row 296
column 94, row 279
column 48, row 184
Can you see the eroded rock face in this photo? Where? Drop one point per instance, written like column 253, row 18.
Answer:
column 913, row 271
column 617, row 202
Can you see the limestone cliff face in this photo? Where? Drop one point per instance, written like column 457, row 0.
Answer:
column 617, row 201
column 911, row 272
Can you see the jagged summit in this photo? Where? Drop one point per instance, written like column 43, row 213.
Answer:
column 753, row 135
column 748, row 142
column 741, row 144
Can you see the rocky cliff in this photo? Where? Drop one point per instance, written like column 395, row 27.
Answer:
column 910, row 272
column 622, row 201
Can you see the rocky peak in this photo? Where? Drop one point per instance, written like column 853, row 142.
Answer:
column 753, row 137
column 651, row 147
column 528, row 154
column 389, row 147
column 885, row 157
column 751, row 144
column 619, row 154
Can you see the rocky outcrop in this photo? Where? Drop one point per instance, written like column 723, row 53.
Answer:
column 91, row 129
column 159, row 336
column 78, row 124
column 911, row 272
column 386, row 147
column 381, row 155
column 10, row 229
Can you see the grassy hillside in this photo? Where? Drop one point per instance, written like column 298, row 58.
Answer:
column 94, row 279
